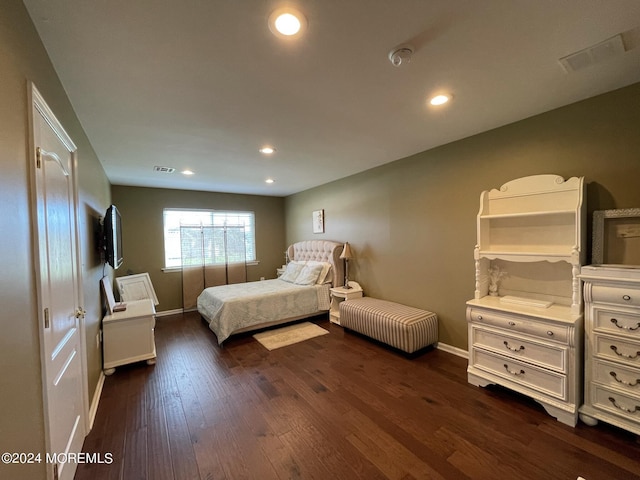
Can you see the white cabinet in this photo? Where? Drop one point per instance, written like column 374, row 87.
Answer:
column 525, row 321
column 128, row 336
column 612, row 356
column 339, row 295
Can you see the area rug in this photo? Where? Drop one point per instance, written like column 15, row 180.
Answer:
column 281, row 337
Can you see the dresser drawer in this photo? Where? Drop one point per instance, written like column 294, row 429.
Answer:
column 615, row 402
column 617, row 375
column 617, row 323
column 545, row 355
column 623, row 295
column 541, row 329
column 617, row 349
column 535, row 378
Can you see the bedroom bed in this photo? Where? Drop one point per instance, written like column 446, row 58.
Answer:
column 302, row 291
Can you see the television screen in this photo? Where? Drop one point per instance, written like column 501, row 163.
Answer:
column 113, row 237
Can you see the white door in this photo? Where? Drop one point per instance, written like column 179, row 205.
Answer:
column 58, row 285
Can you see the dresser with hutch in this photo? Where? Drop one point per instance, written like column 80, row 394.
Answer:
column 525, row 321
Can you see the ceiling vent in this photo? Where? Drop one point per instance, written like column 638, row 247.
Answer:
column 164, row 169
column 594, row 54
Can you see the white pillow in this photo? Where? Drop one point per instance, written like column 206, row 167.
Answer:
column 308, row 275
column 323, row 276
column 291, row 272
column 328, row 278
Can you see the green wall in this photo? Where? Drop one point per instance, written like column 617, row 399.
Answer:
column 23, row 59
column 412, row 223
column 143, row 244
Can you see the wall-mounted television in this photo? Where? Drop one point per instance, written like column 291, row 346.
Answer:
column 113, row 237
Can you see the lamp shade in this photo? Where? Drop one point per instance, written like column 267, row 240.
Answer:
column 346, row 252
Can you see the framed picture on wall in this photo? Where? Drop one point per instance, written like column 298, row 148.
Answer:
column 318, row 221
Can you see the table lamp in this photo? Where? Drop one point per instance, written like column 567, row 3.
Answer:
column 346, row 255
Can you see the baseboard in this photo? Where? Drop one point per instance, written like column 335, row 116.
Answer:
column 166, row 313
column 93, row 409
column 453, row 350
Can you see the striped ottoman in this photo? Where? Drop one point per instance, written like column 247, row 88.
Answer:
column 400, row 326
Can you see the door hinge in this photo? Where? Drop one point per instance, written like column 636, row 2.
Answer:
column 55, row 471
column 38, row 157
column 46, row 318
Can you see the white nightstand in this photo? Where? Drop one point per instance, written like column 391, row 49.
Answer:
column 339, row 295
column 128, row 336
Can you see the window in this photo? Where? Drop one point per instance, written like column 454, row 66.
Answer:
column 173, row 218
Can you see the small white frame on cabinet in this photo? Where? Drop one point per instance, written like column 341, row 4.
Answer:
column 136, row 287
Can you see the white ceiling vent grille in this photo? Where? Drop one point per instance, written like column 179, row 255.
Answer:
column 597, row 53
column 164, row 169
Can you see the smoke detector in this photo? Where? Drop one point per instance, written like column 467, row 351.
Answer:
column 400, row 55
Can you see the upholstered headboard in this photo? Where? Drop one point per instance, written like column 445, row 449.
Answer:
column 321, row 251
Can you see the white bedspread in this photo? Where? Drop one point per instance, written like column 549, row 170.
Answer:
column 229, row 308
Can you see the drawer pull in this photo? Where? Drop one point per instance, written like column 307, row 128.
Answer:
column 624, row 409
column 632, row 329
column 513, row 372
column 626, row 298
column 479, row 317
column 631, row 357
column 624, row 382
column 519, row 349
column 550, row 333
column 512, row 324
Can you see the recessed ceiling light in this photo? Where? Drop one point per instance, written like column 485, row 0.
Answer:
column 440, row 99
column 267, row 150
column 287, row 22
column 269, row 180
column 187, row 172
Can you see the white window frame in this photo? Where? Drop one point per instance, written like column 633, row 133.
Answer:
column 173, row 217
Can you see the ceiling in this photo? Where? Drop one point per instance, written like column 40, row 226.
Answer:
column 203, row 84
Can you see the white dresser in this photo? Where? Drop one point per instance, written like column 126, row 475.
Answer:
column 525, row 322
column 538, row 355
column 612, row 326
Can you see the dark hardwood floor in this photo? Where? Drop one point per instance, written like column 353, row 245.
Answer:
column 338, row 406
